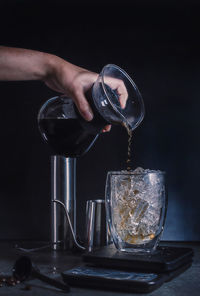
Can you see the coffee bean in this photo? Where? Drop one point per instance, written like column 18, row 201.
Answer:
column 8, row 281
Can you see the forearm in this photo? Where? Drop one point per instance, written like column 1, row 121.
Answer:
column 23, row 64
column 55, row 72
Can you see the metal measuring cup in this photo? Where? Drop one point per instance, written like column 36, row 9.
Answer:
column 97, row 231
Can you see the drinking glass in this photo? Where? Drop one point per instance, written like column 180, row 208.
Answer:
column 135, row 209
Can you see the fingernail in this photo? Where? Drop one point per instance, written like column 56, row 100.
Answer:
column 88, row 116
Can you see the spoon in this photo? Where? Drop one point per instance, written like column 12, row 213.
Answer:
column 24, row 269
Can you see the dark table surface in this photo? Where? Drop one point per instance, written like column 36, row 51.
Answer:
column 53, row 263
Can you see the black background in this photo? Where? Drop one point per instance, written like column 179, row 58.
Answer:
column 157, row 43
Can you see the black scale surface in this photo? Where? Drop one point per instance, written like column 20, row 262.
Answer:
column 163, row 259
column 109, row 269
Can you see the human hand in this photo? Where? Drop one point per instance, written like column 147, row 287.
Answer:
column 75, row 81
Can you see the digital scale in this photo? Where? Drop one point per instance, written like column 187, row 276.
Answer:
column 110, row 269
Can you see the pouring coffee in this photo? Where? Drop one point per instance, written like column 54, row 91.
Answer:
column 70, row 136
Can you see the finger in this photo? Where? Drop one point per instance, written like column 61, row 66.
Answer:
column 107, row 128
column 119, row 85
column 123, row 95
column 83, row 105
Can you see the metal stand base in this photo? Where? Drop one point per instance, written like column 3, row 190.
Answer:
column 63, row 188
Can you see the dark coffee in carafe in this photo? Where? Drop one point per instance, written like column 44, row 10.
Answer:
column 70, row 135
column 66, row 136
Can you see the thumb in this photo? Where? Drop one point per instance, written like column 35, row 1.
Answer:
column 83, row 105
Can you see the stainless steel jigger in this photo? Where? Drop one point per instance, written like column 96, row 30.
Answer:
column 63, row 189
column 97, row 232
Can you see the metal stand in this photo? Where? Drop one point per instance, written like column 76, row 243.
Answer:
column 63, row 188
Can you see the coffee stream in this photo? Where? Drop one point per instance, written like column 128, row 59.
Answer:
column 130, row 135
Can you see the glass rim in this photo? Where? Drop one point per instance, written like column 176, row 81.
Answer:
column 127, row 173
